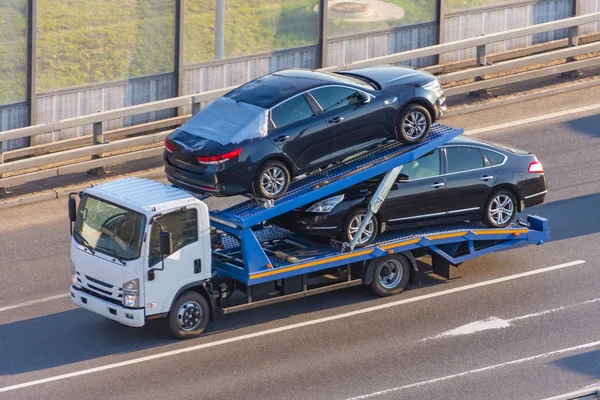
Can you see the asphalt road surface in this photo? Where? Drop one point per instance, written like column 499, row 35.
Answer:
column 518, row 324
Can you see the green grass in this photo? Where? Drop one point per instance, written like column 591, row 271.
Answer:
column 83, row 41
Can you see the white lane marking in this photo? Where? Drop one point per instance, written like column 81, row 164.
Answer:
column 289, row 327
column 532, row 119
column 498, row 323
column 32, row 302
column 478, row 370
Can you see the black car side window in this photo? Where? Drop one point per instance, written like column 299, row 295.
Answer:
column 183, row 226
column 293, row 110
column 333, row 97
column 494, row 158
column 424, row 167
column 463, row 159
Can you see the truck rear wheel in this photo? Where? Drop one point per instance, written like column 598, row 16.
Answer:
column 189, row 315
column 389, row 275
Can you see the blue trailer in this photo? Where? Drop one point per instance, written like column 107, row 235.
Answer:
column 239, row 250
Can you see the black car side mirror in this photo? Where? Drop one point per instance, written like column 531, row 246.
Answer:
column 166, row 243
column 365, row 98
column 403, row 178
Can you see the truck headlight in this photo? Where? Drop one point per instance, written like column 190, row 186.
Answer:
column 325, row 206
column 131, row 291
column 73, row 274
column 435, row 87
column 131, row 300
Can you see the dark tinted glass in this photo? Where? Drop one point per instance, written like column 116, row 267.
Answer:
column 183, row 226
column 493, row 157
column 294, row 110
column 330, row 98
column 463, row 159
column 424, row 167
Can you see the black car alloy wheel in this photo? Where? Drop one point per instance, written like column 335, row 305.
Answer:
column 414, row 123
column 500, row 209
column 272, row 180
column 353, row 223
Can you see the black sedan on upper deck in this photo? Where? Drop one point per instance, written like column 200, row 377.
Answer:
column 465, row 179
column 262, row 134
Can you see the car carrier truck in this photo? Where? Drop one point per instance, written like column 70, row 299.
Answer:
column 142, row 250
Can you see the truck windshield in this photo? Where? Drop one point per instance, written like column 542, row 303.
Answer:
column 109, row 229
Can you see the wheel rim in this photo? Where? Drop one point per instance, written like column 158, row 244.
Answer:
column 415, row 124
column 390, row 274
column 189, row 316
column 501, row 209
column 273, row 181
column 367, row 233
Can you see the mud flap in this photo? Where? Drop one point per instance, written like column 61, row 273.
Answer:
column 440, row 266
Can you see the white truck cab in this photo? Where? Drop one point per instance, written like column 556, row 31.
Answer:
column 124, row 269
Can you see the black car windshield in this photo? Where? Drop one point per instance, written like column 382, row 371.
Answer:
column 109, row 229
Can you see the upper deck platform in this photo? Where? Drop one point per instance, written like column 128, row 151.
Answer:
column 346, row 174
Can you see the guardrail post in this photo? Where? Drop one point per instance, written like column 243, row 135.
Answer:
column 31, row 61
column 573, row 36
column 220, row 29
column 2, row 190
column 441, row 10
column 196, row 107
column 481, row 62
column 98, row 133
column 179, row 74
column 322, row 33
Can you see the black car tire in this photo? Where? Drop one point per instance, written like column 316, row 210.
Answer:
column 416, row 116
column 351, row 223
column 497, row 218
column 268, row 171
column 193, row 307
column 389, row 275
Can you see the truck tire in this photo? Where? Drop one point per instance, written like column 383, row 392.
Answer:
column 390, row 275
column 189, row 315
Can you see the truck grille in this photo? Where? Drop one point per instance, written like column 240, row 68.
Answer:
column 89, row 278
column 102, row 289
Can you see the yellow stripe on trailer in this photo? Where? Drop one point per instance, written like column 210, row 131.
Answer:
column 499, row 231
column 310, row 264
column 447, row 235
column 404, row 243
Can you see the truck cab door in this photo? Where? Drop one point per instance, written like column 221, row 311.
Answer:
column 186, row 264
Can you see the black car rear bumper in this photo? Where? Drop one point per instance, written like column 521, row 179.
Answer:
column 211, row 182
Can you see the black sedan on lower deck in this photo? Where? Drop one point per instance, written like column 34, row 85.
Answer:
column 466, row 179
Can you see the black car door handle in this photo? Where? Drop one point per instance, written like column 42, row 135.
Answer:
column 438, row 184
column 486, row 177
column 281, row 138
column 336, row 120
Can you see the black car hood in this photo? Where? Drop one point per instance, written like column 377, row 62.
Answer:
column 391, row 76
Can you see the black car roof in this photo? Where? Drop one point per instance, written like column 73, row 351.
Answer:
column 273, row 88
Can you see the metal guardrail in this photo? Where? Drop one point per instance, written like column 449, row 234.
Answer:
column 16, row 172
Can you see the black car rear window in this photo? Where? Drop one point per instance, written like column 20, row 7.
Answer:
column 494, row 158
column 269, row 90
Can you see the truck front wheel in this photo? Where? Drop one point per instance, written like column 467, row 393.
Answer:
column 189, row 315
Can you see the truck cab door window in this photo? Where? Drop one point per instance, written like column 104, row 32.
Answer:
column 183, row 226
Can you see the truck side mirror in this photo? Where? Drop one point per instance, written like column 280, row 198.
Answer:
column 72, row 209
column 166, row 243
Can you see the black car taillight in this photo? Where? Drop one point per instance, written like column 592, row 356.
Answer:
column 218, row 159
column 169, row 146
column 535, row 168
